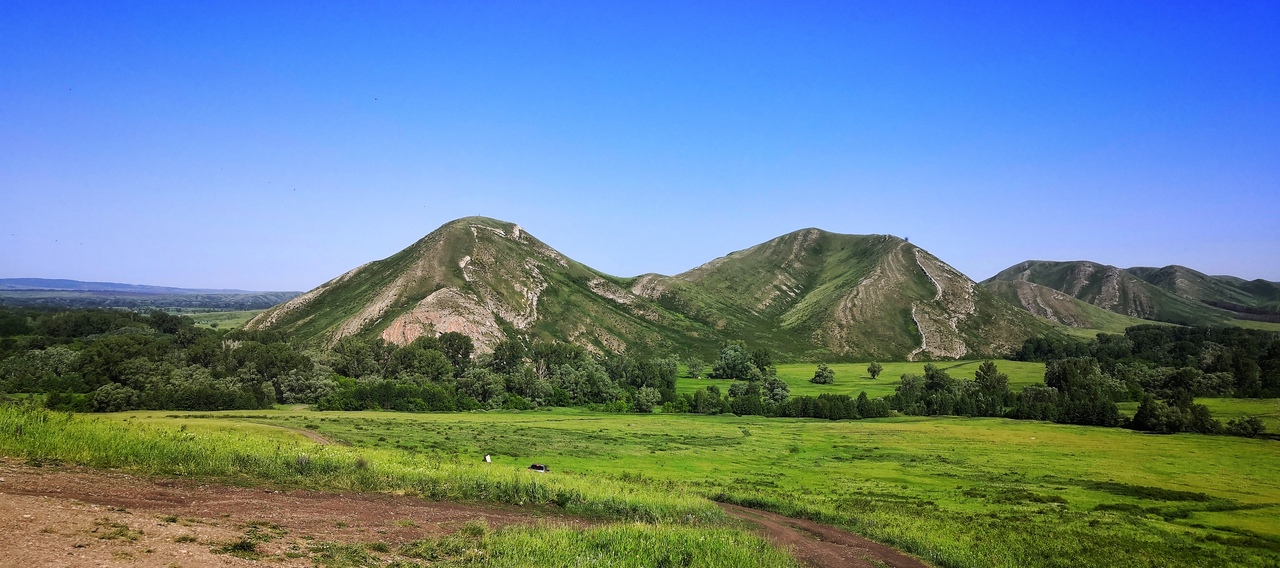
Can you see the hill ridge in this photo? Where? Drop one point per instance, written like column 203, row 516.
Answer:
column 807, row 294
column 1172, row 294
column 64, row 284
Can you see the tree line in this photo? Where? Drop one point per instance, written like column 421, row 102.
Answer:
column 1078, row 388
column 1161, row 359
column 1166, row 367
column 112, row 360
column 442, row 374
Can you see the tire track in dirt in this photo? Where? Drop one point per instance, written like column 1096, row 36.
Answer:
column 52, row 515
column 310, row 434
column 65, row 515
column 812, row 543
column 313, row 436
column 820, row 545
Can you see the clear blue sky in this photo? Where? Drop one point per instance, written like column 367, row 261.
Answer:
column 273, row 145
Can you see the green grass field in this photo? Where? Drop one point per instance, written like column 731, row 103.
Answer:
column 651, row 526
column 1224, row 409
column 956, row 491
column 852, row 378
column 225, row 320
column 1263, row 325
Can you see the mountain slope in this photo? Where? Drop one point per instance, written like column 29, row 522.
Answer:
column 1114, row 289
column 860, row 296
column 1245, row 298
column 484, row 278
column 808, row 294
column 1059, row 306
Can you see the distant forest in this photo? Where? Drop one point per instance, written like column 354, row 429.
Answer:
column 113, row 360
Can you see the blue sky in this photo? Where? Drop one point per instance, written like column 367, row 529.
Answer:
column 273, row 145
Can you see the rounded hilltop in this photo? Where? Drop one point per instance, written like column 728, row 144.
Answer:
column 808, row 293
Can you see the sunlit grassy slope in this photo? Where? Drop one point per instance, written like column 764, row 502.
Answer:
column 1116, row 290
column 959, row 492
column 806, row 295
column 1080, row 318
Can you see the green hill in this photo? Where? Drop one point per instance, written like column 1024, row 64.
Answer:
column 1060, row 307
column 1246, row 299
column 1173, row 294
column 487, row 279
column 810, row 294
column 829, row 295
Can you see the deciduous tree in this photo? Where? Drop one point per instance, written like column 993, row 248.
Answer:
column 823, row 375
column 874, row 369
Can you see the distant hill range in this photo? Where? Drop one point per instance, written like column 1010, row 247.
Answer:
column 76, row 294
column 1071, row 293
column 810, row 294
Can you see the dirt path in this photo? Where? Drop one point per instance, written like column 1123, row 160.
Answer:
column 71, row 516
column 60, row 515
column 311, row 435
column 821, row 545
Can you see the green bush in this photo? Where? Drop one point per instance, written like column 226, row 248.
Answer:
column 1247, row 427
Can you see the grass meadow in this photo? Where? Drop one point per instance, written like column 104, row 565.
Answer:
column 852, row 378
column 1224, row 409
column 654, row 526
column 224, row 320
column 958, row 492
column 955, row 491
column 1251, row 324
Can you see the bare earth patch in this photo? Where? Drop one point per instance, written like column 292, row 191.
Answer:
column 62, row 515
column 58, row 515
column 823, row 546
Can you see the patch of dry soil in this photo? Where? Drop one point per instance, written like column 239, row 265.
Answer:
column 71, row 516
column 61, row 515
column 823, row 546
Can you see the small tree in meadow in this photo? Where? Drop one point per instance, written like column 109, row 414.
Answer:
column 734, row 363
column 823, row 376
column 775, row 390
column 695, row 366
column 874, row 369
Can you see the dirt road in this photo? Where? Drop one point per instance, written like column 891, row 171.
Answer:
column 71, row 516
column 821, row 545
column 60, row 515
